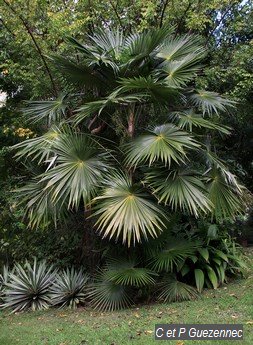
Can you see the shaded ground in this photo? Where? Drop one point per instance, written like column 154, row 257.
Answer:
column 229, row 304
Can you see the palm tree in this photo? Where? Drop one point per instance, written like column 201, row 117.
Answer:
column 129, row 137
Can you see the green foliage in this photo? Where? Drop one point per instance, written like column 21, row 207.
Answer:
column 165, row 143
column 173, row 290
column 218, row 258
column 187, row 120
column 181, row 189
column 28, row 287
column 52, row 111
column 126, row 273
column 76, row 164
column 199, row 279
column 4, row 279
column 172, row 255
column 225, row 193
column 97, row 96
column 69, row 288
column 18, row 242
column 125, row 211
column 104, row 294
column 209, row 102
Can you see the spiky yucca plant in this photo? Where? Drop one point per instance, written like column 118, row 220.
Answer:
column 28, row 286
column 4, row 279
column 69, row 288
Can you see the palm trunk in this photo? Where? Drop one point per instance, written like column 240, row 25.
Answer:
column 87, row 241
column 130, row 129
column 130, row 132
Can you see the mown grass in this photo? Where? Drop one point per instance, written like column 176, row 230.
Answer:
column 229, row 304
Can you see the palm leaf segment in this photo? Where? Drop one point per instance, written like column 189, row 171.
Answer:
column 142, row 47
column 76, row 166
column 105, row 294
column 104, row 48
column 164, row 143
column 158, row 90
column 188, row 119
column 174, row 290
column 39, row 207
column 125, row 272
column 54, row 111
column 79, row 169
column 225, row 193
column 181, row 57
column 210, row 102
column 181, row 189
column 172, row 255
column 39, row 148
column 125, row 211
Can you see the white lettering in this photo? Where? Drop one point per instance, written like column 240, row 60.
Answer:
column 182, row 330
column 159, row 335
column 240, row 331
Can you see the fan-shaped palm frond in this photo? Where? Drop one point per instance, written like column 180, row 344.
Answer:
column 106, row 104
column 173, row 290
column 53, row 111
column 40, row 148
column 69, row 288
column 172, row 255
column 108, row 41
column 39, row 207
column 126, row 212
column 140, row 46
column 181, row 57
column 176, row 48
column 188, row 120
column 209, row 158
column 106, row 295
column 79, row 74
column 210, row 102
column 158, row 90
column 181, row 189
column 96, row 57
column 225, row 193
column 179, row 72
column 77, row 171
column 165, row 143
column 125, row 272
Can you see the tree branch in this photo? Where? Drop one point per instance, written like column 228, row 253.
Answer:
column 92, row 121
column 163, row 12
column 220, row 21
column 182, row 17
column 7, row 28
column 117, row 15
column 98, row 129
column 29, row 31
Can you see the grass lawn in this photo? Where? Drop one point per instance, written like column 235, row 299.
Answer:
column 228, row 304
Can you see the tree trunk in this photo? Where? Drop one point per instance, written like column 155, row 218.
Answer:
column 130, row 129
